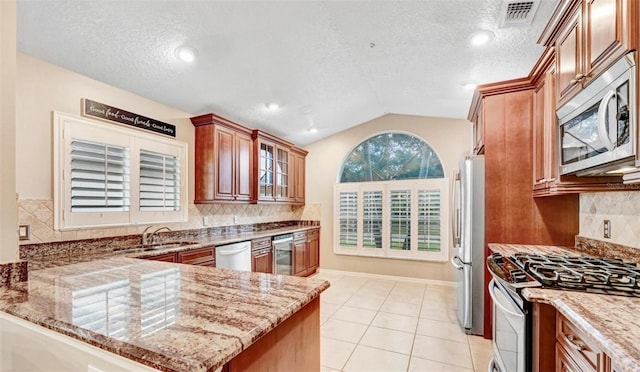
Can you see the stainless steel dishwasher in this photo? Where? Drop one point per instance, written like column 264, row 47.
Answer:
column 283, row 254
column 236, row 256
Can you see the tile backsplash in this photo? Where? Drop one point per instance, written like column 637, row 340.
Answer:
column 39, row 215
column 622, row 208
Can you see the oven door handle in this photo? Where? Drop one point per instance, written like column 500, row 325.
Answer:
column 602, row 120
column 496, row 301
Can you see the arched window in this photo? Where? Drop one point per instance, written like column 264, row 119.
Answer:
column 392, row 200
column 391, row 156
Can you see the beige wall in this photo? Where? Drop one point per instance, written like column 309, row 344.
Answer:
column 450, row 139
column 8, row 206
column 42, row 88
column 622, row 208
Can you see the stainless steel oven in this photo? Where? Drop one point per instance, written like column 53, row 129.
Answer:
column 283, row 254
column 511, row 330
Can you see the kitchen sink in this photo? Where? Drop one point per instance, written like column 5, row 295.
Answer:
column 152, row 247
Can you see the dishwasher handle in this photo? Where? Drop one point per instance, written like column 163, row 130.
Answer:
column 223, row 252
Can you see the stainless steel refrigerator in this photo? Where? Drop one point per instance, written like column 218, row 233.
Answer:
column 468, row 236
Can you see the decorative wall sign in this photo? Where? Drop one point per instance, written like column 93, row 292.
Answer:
column 105, row 112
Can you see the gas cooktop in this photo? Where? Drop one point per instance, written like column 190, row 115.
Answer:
column 578, row 273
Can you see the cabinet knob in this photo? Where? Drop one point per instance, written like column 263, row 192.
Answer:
column 577, row 78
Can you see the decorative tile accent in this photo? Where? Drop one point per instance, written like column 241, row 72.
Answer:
column 39, row 214
column 621, row 208
column 13, row 272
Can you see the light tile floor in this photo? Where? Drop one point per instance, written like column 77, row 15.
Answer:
column 372, row 325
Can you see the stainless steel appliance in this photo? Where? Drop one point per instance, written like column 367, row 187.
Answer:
column 283, row 254
column 597, row 128
column 511, row 311
column 468, row 235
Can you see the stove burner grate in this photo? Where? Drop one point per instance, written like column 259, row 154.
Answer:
column 582, row 273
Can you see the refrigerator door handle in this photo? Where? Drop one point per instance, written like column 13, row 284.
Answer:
column 457, row 263
column 456, row 210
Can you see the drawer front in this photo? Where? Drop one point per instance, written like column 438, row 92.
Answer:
column 262, row 243
column 197, row 256
column 564, row 363
column 169, row 257
column 586, row 355
column 313, row 233
column 300, row 235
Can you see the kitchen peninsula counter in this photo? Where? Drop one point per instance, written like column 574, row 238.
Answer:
column 169, row 316
column 609, row 322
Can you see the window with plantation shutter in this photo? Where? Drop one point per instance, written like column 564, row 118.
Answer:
column 99, row 177
column 159, row 182
column 106, row 175
column 389, row 202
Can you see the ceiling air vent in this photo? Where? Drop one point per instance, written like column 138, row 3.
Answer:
column 518, row 13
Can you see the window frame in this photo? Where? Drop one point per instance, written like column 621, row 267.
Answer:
column 65, row 128
column 441, row 184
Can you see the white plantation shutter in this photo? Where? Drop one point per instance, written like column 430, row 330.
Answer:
column 429, row 227
column 396, row 219
column 99, row 177
column 400, row 214
column 348, row 219
column 159, row 182
column 372, row 219
column 105, row 175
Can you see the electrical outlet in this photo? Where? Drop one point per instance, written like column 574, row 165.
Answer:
column 235, row 219
column 607, row 229
column 205, row 220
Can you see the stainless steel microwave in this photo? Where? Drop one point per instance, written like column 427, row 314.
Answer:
column 597, row 128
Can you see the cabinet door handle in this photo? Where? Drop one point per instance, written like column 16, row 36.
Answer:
column 575, row 343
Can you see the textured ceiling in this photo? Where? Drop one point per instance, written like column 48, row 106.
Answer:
column 329, row 64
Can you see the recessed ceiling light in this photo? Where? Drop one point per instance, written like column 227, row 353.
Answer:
column 312, row 130
column 186, row 53
column 481, row 37
column 272, row 106
column 470, row 85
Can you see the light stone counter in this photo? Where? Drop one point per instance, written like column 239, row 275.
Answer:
column 168, row 316
column 611, row 322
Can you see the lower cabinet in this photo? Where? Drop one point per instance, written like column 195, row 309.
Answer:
column 306, row 252
column 262, row 255
column 200, row 257
column 574, row 352
column 169, row 257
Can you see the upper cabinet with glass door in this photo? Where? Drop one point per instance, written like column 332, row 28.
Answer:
column 589, row 35
column 272, row 178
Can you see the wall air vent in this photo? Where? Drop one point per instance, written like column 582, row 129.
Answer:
column 517, row 13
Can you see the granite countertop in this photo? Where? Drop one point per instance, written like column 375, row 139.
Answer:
column 610, row 322
column 206, row 315
column 75, row 254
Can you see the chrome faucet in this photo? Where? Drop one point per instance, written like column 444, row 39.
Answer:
column 148, row 238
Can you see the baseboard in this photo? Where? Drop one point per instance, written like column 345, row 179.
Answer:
column 389, row 277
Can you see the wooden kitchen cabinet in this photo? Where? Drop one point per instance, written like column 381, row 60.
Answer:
column 589, row 35
column 547, row 180
column 169, row 257
column 200, row 257
column 271, row 173
column 262, row 255
column 223, row 160
column 298, row 168
column 478, row 133
column 574, row 351
column 306, row 252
